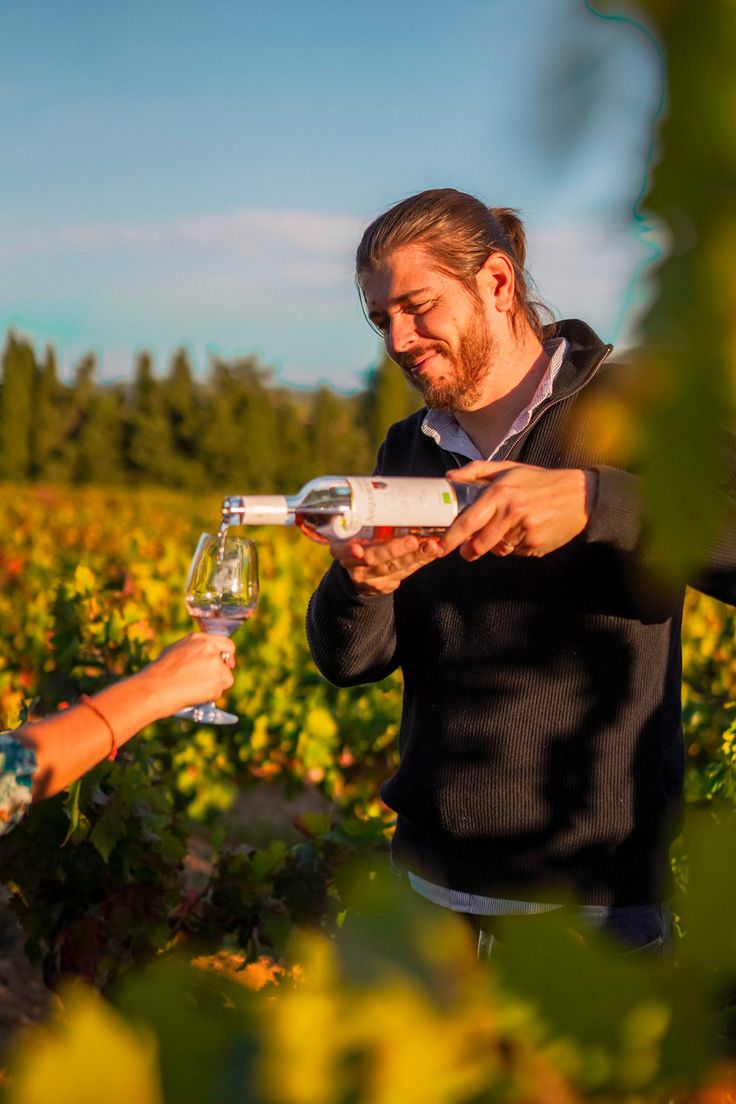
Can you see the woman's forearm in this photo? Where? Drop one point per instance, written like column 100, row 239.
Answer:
column 193, row 670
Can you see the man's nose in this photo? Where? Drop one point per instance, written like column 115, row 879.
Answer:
column 401, row 333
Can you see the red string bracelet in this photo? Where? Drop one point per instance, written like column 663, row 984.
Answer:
column 85, row 700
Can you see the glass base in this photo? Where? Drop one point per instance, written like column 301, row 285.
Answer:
column 208, row 713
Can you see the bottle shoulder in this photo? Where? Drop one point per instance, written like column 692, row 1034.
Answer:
column 324, row 489
column 466, row 493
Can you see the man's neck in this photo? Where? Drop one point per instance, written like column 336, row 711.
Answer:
column 516, row 375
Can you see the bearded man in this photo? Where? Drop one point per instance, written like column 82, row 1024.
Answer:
column 541, row 745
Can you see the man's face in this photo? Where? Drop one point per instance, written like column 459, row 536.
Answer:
column 432, row 326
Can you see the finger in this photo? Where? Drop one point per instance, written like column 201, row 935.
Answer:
column 220, row 646
column 486, row 540
column 348, row 554
column 479, row 470
column 470, row 521
column 486, row 537
column 504, row 548
column 226, row 681
column 399, row 566
column 515, row 536
column 385, row 577
column 384, row 552
column 426, row 551
column 511, row 544
column 505, row 521
column 352, row 554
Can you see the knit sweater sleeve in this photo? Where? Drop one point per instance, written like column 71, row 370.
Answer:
column 616, row 514
column 352, row 636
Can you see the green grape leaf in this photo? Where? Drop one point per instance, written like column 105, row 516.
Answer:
column 107, row 831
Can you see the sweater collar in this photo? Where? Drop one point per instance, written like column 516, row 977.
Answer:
column 443, row 427
column 581, row 352
column 585, row 354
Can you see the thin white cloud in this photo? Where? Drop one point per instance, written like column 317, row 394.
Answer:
column 594, row 270
column 261, row 236
column 242, row 232
column 276, row 280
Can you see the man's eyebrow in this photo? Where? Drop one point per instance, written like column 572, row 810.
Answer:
column 397, row 300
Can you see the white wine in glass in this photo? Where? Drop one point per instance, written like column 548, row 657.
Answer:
column 221, row 593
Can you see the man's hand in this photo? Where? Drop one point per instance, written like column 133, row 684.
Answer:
column 527, row 511
column 379, row 568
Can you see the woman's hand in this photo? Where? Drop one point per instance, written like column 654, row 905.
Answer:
column 196, row 668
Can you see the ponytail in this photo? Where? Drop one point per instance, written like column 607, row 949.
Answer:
column 513, row 231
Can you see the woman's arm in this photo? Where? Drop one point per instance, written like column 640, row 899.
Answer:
column 194, row 669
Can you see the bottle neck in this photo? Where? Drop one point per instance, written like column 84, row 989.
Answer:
column 258, row 510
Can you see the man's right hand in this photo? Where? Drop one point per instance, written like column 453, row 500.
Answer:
column 378, row 568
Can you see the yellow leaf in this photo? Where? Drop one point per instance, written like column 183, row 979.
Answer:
column 88, row 1056
column 320, row 724
column 252, row 975
column 84, row 580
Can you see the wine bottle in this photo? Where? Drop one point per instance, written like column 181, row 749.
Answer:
column 363, row 508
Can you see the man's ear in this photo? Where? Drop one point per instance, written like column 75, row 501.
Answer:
column 496, row 282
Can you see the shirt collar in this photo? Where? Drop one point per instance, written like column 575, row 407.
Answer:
column 444, row 429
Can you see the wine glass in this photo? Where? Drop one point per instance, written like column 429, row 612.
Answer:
column 221, row 593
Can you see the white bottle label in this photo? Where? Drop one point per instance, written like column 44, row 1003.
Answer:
column 402, row 502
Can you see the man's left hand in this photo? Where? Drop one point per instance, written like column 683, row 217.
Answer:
column 526, row 511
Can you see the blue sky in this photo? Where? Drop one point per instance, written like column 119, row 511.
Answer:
column 199, row 174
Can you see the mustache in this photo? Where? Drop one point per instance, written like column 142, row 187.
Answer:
column 409, row 359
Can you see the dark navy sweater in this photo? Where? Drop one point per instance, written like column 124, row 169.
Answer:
column 541, row 744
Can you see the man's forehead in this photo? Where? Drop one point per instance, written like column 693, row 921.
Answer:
column 406, row 272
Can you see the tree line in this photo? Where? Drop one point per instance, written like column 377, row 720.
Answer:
column 235, row 428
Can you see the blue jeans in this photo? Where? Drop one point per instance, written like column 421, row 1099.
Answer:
column 638, row 929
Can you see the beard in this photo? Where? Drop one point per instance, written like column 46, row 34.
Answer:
column 468, row 367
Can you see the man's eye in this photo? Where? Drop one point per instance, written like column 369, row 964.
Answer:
column 419, row 308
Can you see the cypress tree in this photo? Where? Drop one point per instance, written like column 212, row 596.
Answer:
column 89, row 451
column 257, row 425
column 98, row 445
column 16, row 417
column 219, row 439
column 240, row 434
column 149, row 438
column 183, row 408
column 52, row 422
column 337, row 441
column 290, row 456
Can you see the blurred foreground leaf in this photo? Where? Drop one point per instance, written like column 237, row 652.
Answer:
column 206, row 1030
column 688, row 336
column 612, row 1021
column 89, row 1054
